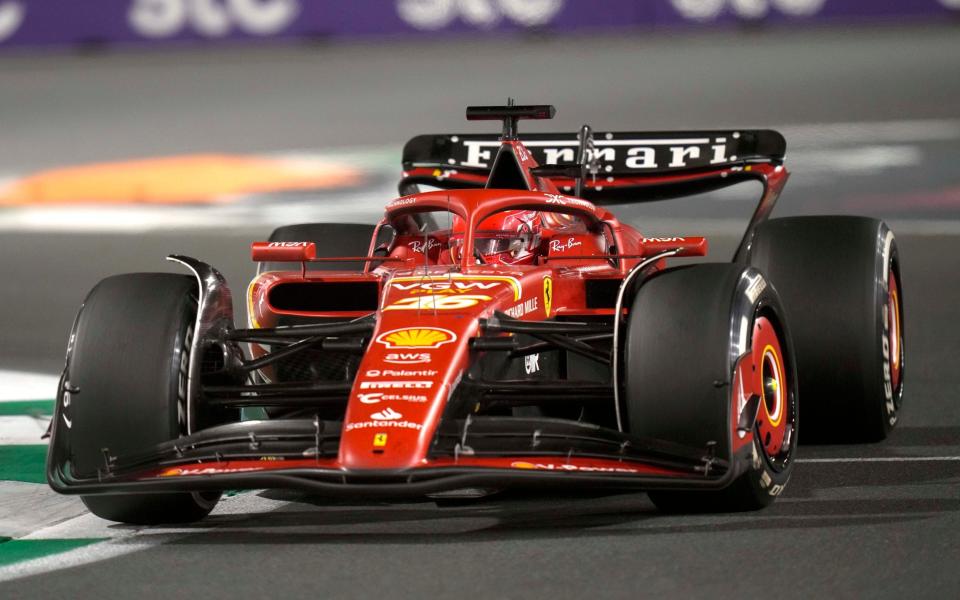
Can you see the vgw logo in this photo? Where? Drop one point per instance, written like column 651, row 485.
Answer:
column 211, row 18
column 11, row 18
column 437, row 14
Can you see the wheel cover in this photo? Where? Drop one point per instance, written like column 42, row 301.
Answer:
column 776, row 418
column 894, row 330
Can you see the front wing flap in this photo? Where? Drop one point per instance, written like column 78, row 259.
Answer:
column 302, row 454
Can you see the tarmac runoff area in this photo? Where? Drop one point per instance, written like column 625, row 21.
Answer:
column 906, row 487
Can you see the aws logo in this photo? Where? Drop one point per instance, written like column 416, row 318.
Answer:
column 416, row 337
column 407, row 358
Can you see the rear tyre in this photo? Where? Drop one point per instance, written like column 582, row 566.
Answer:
column 839, row 280
column 687, row 329
column 128, row 363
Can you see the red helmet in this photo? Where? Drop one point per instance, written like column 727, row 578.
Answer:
column 506, row 238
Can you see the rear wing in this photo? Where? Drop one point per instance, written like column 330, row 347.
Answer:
column 665, row 164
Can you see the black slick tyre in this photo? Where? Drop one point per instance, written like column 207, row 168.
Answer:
column 127, row 367
column 688, row 330
column 839, row 281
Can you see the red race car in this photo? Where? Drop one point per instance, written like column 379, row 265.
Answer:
column 503, row 330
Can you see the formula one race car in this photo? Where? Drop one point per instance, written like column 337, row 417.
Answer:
column 503, row 330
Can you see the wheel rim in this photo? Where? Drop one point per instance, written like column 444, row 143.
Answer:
column 776, row 417
column 894, row 331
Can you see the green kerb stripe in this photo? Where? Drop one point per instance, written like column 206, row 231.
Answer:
column 26, row 407
column 12, row 551
column 23, row 463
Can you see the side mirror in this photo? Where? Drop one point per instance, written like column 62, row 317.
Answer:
column 283, row 251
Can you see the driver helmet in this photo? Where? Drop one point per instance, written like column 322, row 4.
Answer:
column 506, row 238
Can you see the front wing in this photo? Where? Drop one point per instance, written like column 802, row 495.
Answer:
column 487, row 453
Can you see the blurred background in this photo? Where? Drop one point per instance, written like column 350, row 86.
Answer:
column 133, row 129
column 130, row 129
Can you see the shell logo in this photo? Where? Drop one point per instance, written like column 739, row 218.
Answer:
column 416, row 337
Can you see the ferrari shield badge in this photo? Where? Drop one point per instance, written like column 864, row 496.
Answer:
column 547, row 295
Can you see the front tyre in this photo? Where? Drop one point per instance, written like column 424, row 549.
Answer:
column 126, row 372
column 774, row 432
column 153, row 509
column 696, row 338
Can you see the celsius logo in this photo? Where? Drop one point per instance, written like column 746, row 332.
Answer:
column 211, row 18
column 437, row 14
column 709, row 10
column 11, row 17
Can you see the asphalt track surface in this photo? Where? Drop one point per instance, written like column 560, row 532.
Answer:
column 876, row 520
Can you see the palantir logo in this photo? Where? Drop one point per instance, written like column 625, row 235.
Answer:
column 437, row 14
column 211, row 18
column 11, row 17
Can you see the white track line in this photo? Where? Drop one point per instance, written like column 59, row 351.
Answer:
column 121, row 539
column 26, row 508
column 23, row 385
column 81, row 556
column 881, row 459
column 817, row 135
column 859, row 160
column 21, row 430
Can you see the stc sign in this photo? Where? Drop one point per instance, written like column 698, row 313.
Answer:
column 211, row 18
column 76, row 22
